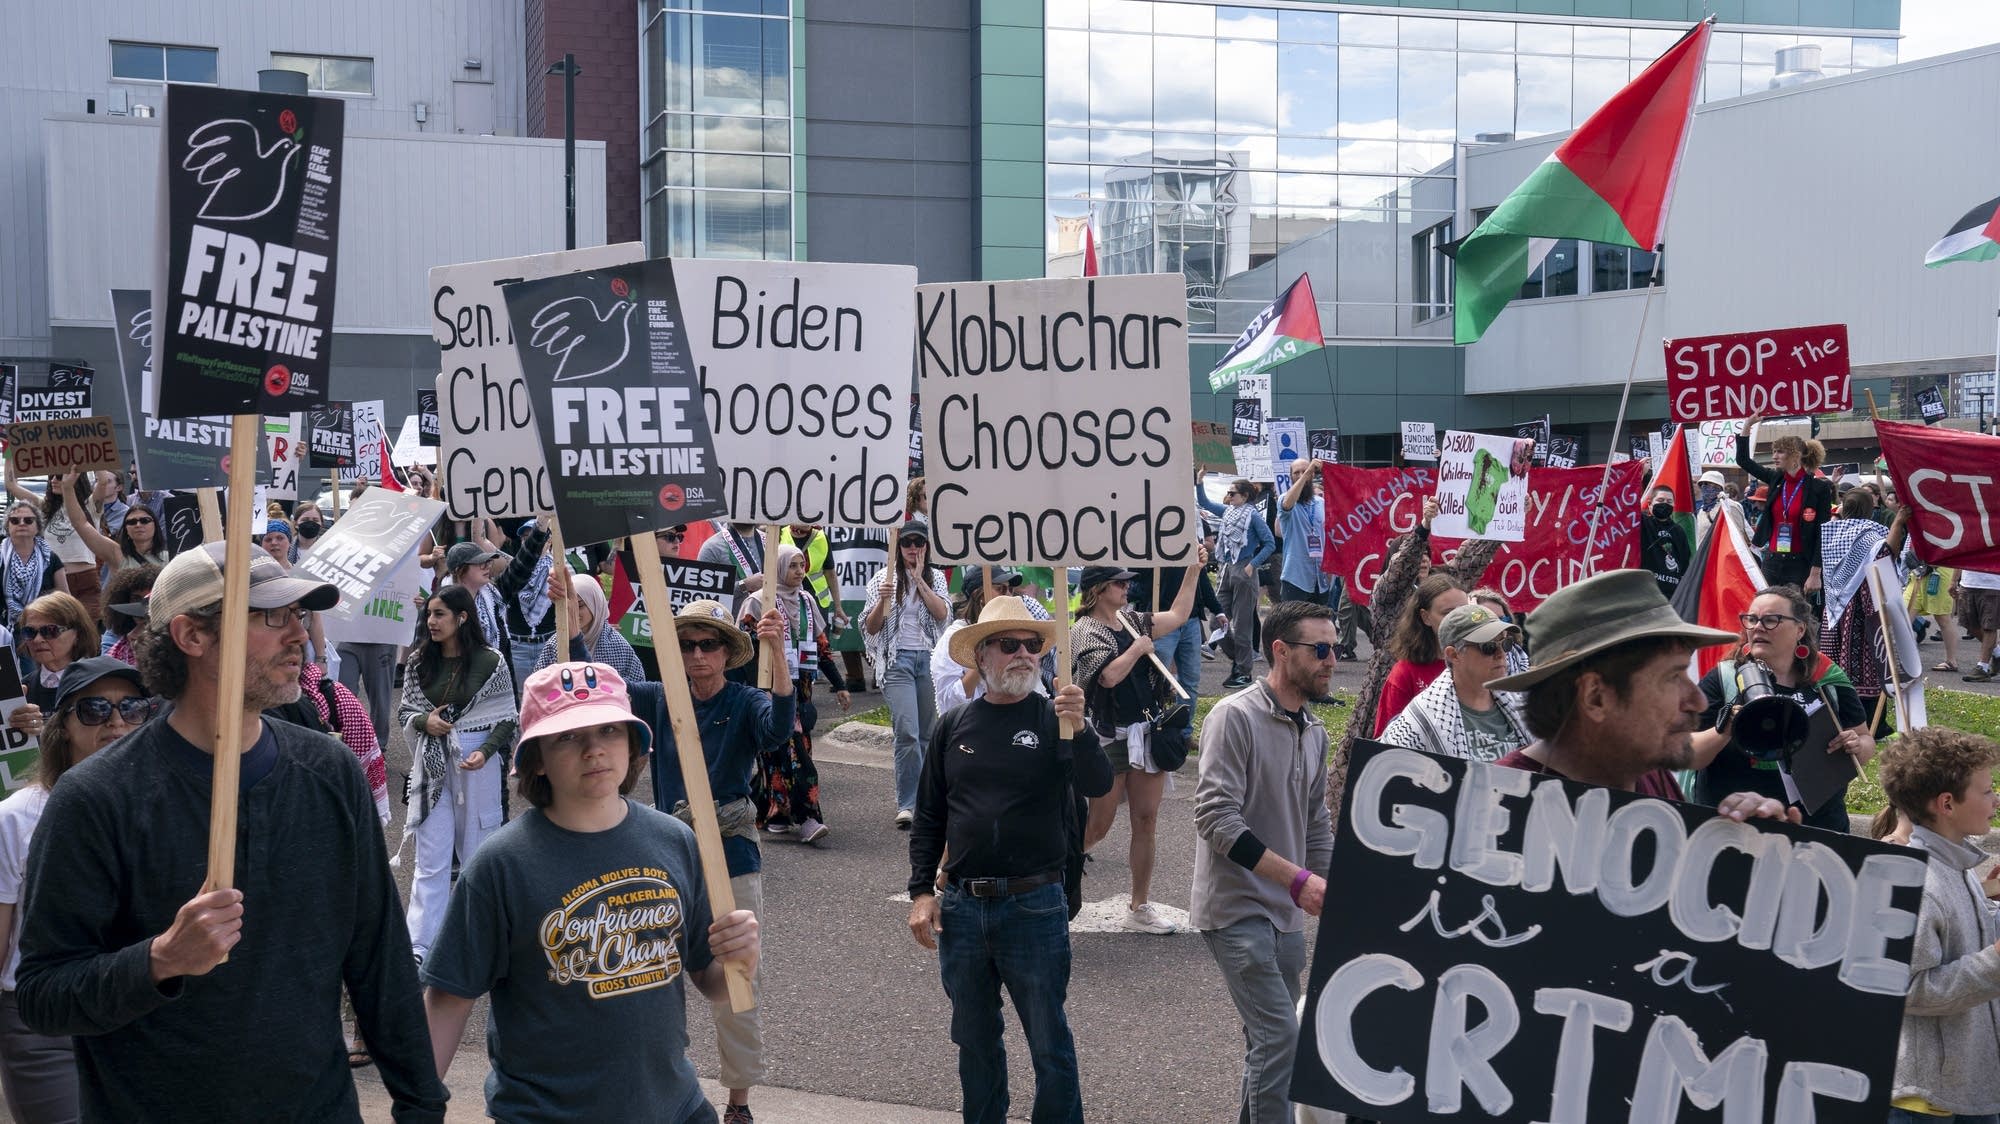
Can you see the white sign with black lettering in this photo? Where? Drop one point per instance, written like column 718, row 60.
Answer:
column 368, row 437
column 492, row 455
column 805, row 374
column 1056, row 419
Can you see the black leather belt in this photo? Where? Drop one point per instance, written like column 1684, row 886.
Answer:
column 1005, row 887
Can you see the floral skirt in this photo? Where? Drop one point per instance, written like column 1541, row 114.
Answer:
column 786, row 789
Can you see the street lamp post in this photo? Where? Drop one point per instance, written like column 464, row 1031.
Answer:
column 569, row 71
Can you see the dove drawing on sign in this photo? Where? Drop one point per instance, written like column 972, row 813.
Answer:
column 140, row 329
column 245, row 178
column 584, row 341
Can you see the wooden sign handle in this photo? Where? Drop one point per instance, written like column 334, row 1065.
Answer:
column 211, row 507
column 1155, row 657
column 555, row 547
column 769, row 658
column 245, row 432
column 1061, row 614
column 687, row 748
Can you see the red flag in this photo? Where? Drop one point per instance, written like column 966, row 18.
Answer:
column 1674, row 472
column 623, row 596
column 389, row 480
column 1726, row 579
column 1089, row 254
column 1948, row 480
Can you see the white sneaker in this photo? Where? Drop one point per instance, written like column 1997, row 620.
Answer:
column 905, row 818
column 1145, row 920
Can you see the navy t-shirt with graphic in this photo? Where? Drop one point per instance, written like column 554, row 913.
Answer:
column 584, row 941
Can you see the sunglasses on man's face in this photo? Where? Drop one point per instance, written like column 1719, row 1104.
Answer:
column 96, row 710
column 705, row 645
column 670, row 536
column 1009, row 645
column 1323, row 650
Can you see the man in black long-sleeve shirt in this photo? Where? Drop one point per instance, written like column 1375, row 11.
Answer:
column 221, row 1005
column 996, row 787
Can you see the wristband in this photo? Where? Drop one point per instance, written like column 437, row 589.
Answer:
column 1299, row 881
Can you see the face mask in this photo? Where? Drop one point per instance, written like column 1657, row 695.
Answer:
column 1663, row 511
column 309, row 530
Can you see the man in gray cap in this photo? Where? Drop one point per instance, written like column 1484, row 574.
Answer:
column 177, row 1005
column 1609, row 700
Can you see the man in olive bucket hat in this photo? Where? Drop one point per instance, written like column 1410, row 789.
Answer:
column 738, row 723
column 1609, row 700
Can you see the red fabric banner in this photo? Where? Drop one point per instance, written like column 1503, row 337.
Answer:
column 1951, row 482
column 1367, row 507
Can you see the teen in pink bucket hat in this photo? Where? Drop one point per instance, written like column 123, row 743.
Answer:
column 529, row 920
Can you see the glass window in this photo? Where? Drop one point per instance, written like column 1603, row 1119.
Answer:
column 1121, row 81
column 1066, row 90
column 1874, row 52
column 1068, row 145
column 1725, row 46
column 191, row 64
column 1111, row 146
column 1427, row 94
column 1295, row 26
column 1358, row 29
column 330, row 74
column 1834, row 50
column 1246, row 23
column 1068, row 181
column 1559, row 270
column 1311, row 155
column 1544, row 39
column 1603, row 42
column 1544, row 95
column 1430, row 272
column 1066, row 13
column 1765, row 48
column 1423, row 31
column 1596, row 81
column 1423, row 157
column 1643, row 264
column 154, row 62
column 1650, row 43
column 1184, row 19
column 1723, row 80
column 1611, row 270
column 1184, row 85
column 1307, row 84
column 1485, row 35
column 1121, row 15
column 1246, row 86
column 1757, row 79
column 1367, row 156
column 1485, row 96
column 1367, row 91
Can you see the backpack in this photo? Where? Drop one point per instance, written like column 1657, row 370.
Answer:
column 1076, row 810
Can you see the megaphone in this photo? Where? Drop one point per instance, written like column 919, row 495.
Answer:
column 1766, row 722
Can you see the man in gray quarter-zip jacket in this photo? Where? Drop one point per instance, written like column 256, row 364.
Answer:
column 1946, row 1065
column 1266, row 839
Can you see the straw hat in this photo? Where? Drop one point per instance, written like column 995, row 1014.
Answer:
column 711, row 615
column 1002, row 614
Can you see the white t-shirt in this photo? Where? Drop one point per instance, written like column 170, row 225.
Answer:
column 19, row 814
column 1978, row 579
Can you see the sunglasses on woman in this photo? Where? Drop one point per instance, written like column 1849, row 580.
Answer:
column 912, row 541
column 1012, row 644
column 45, row 632
column 95, row 710
column 22, row 521
column 131, row 522
column 1487, row 648
column 705, row 645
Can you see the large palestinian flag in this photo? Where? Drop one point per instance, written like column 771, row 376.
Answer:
column 1976, row 237
column 1721, row 583
column 1609, row 182
column 1286, row 329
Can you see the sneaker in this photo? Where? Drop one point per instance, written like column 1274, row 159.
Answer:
column 779, row 829
column 1237, row 681
column 737, row 1114
column 1145, row 920
column 1980, row 674
column 812, row 831
column 1208, row 653
column 904, row 819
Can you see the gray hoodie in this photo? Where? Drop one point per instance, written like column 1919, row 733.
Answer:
column 1951, row 1023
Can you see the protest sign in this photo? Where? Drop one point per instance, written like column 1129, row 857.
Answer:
column 1785, row 371
column 19, row 751
column 370, row 434
column 180, row 521
column 1253, row 462
column 1367, row 507
column 1714, row 443
column 1482, row 486
column 285, row 440
column 10, row 381
column 427, row 419
column 1641, row 447
column 34, row 403
column 1564, row 450
column 330, row 435
column 1419, row 441
column 614, row 394
column 409, row 448
column 1247, row 421
column 1286, row 438
column 804, row 368
column 916, row 437
column 64, row 376
column 1534, row 949
column 858, row 555
column 38, row 448
column 249, row 222
column 492, row 462
column 389, row 615
column 686, row 581
column 1324, row 445
column 173, row 454
column 1057, row 414
column 1947, row 480
column 1211, row 447
column 1931, row 402
column 1538, row 432
column 365, row 543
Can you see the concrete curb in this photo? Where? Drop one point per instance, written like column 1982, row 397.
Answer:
column 857, row 743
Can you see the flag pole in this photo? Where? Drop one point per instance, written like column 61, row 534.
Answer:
column 1624, row 400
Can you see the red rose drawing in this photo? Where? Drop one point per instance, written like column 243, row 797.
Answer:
column 288, row 122
column 619, row 288
column 225, row 462
column 277, row 380
column 671, row 497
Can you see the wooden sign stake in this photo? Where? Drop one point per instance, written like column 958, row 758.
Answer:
column 1155, row 657
column 769, row 659
column 245, row 432
column 687, row 747
column 561, row 569
column 211, row 507
column 1068, row 731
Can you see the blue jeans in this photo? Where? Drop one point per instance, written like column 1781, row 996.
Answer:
column 1904, row 1116
column 906, row 687
column 1181, row 650
column 1023, row 942
column 1262, row 968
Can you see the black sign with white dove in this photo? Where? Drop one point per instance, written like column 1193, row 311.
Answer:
column 250, row 225
column 179, row 452
column 606, row 361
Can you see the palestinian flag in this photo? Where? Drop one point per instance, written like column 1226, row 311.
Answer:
column 1089, row 254
column 1286, row 329
column 1976, row 237
column 1674, row 472
column 1722, row 581
column 1609, row 182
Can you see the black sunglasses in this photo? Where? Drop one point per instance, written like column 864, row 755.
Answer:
column 1322, row 650
column 95, row 710
column 22, row 520
column 46, row 632
column 705, row 644
column 913, row 541
column 1487, row 648
column 1013, row 644
column 131, row 522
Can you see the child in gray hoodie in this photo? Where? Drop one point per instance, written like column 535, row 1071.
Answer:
column 1942, row 780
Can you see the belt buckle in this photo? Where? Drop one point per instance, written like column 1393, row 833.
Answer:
column 984, row 887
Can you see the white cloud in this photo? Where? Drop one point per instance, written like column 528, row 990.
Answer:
column 1939, row 27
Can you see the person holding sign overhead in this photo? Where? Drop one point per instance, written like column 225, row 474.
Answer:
column 592, row 639
column 224, row 1004
column 908, row 605
column 137, row 542
column 1302, row 520
column 1801, row 501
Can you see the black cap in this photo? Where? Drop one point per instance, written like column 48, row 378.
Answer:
column 1098, row 575
column 78, row 676
column 969, row 578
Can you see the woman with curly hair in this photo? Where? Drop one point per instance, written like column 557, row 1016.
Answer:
column 1787, row 536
